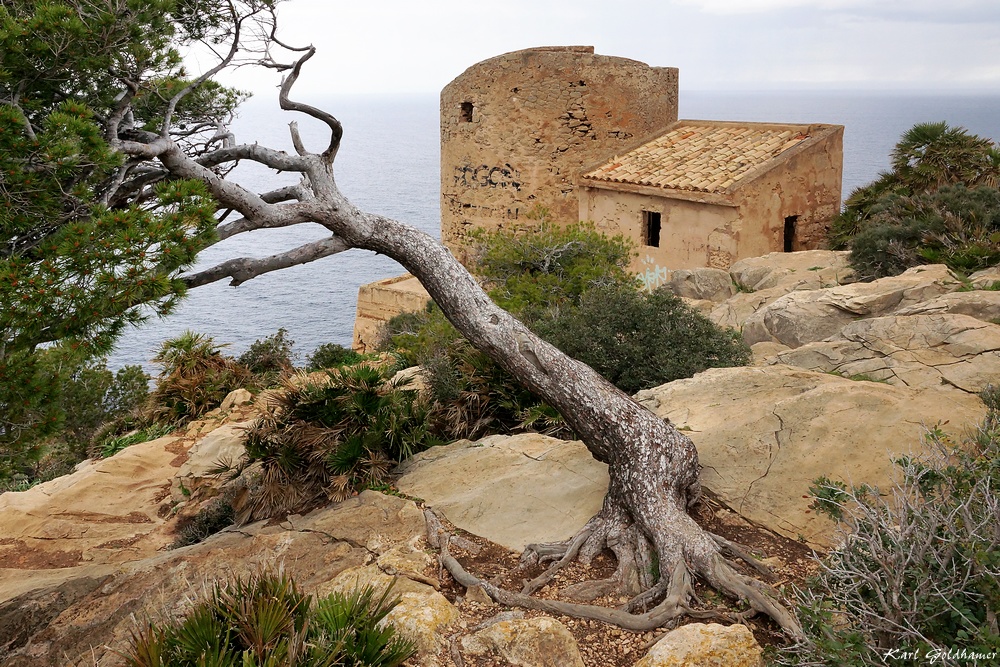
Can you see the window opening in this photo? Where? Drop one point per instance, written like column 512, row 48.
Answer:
column 651, row 228
column 789, row 235
column 466, row 114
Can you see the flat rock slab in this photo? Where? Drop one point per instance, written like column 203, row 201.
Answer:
column 946, row 351
column 106, row 512
column 76, row 616
column 765, row 433
column 511, row 490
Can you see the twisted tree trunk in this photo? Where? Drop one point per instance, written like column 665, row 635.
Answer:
column 653, row 467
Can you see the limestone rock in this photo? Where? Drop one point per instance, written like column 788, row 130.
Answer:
column 491, row 487
column 765, row 433
column 76, row 620
column 705, row 645
column 107, row 512
column 236, row 398
column 982, row 304
column 529, row 642
column 789, row 271
column 224, row 444
column 807, row 316
column 421, row 613
column 947, row 351
column 986, row 278
column 733, row 312
column 708, row 284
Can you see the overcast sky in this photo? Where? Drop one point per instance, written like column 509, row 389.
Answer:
column 394, row 46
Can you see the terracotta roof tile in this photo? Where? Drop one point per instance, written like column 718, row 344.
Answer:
column 699, row 157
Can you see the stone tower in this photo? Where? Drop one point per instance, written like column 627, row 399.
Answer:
column 517, row 129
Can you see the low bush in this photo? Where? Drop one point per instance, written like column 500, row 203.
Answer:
column 266, row 620
column 645, row 340
column 269, row 359
column 195, row 378
column 955, row 225
column 331, row 439
column 213, row 516
column 331, row 355
column 917, row 571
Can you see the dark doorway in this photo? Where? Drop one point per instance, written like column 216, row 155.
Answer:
column 651, row 228
column 790, row 232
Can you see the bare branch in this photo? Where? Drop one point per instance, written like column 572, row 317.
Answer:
column 245, row 268
column 234, row 49
column 336, row 129
column 269, row 157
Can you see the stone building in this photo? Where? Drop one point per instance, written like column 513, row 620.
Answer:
column 591, row 137
column 517, row 129
column 707, row 193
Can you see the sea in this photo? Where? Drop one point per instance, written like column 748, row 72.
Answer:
column 389, row 164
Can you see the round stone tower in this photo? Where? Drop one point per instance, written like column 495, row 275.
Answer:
column 517, row 130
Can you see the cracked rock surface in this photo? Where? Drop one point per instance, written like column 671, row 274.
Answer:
column 765, row 433
column 512, row 490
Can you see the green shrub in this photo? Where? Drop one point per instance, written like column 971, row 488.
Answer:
column 534, row 273
column 331, row 355
column 645, row 340
column 329, row 440
column 954, row 225
column 918, row 569
column 927, row 157
column 265, row 620
column 195, row 378
column 269, row 359
column 213, row 516
column 82, row 400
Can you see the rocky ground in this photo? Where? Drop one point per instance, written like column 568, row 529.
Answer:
column 845, row 377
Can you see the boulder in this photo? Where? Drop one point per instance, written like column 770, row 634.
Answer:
column 733, row 312
column 789, row 271
column 807, row 316
column 491, row 487
column 707, row 284
column 765, row 433
column 528, row 642
column 986, row 279
column 705, row 645
column 982, row 304
column 955, row 352
column 221, row 446
column 422, row 612
column 236, row 398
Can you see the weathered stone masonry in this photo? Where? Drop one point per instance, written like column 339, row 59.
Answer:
column 517, row 129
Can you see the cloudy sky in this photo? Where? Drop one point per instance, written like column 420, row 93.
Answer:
column 385, row 46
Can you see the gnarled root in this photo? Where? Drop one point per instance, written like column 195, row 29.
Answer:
column 691, row 552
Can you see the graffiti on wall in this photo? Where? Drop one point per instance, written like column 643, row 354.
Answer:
column 653, row 275
column 485, row 176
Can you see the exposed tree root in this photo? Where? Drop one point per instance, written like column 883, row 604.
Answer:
column 672, row 595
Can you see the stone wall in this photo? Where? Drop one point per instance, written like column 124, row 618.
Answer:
column 517, row 129
column 380, row 301
column 806, row 183
column 709, row 229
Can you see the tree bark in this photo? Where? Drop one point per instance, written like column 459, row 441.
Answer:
column 653, row 467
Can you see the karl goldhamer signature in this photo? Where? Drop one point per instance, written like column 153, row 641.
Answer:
column 940, row 655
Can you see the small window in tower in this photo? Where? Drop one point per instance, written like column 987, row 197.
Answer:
column 789, row 235
column 651, row 228
column 466, row 114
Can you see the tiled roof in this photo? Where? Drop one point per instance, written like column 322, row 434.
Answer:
column 700, row 157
